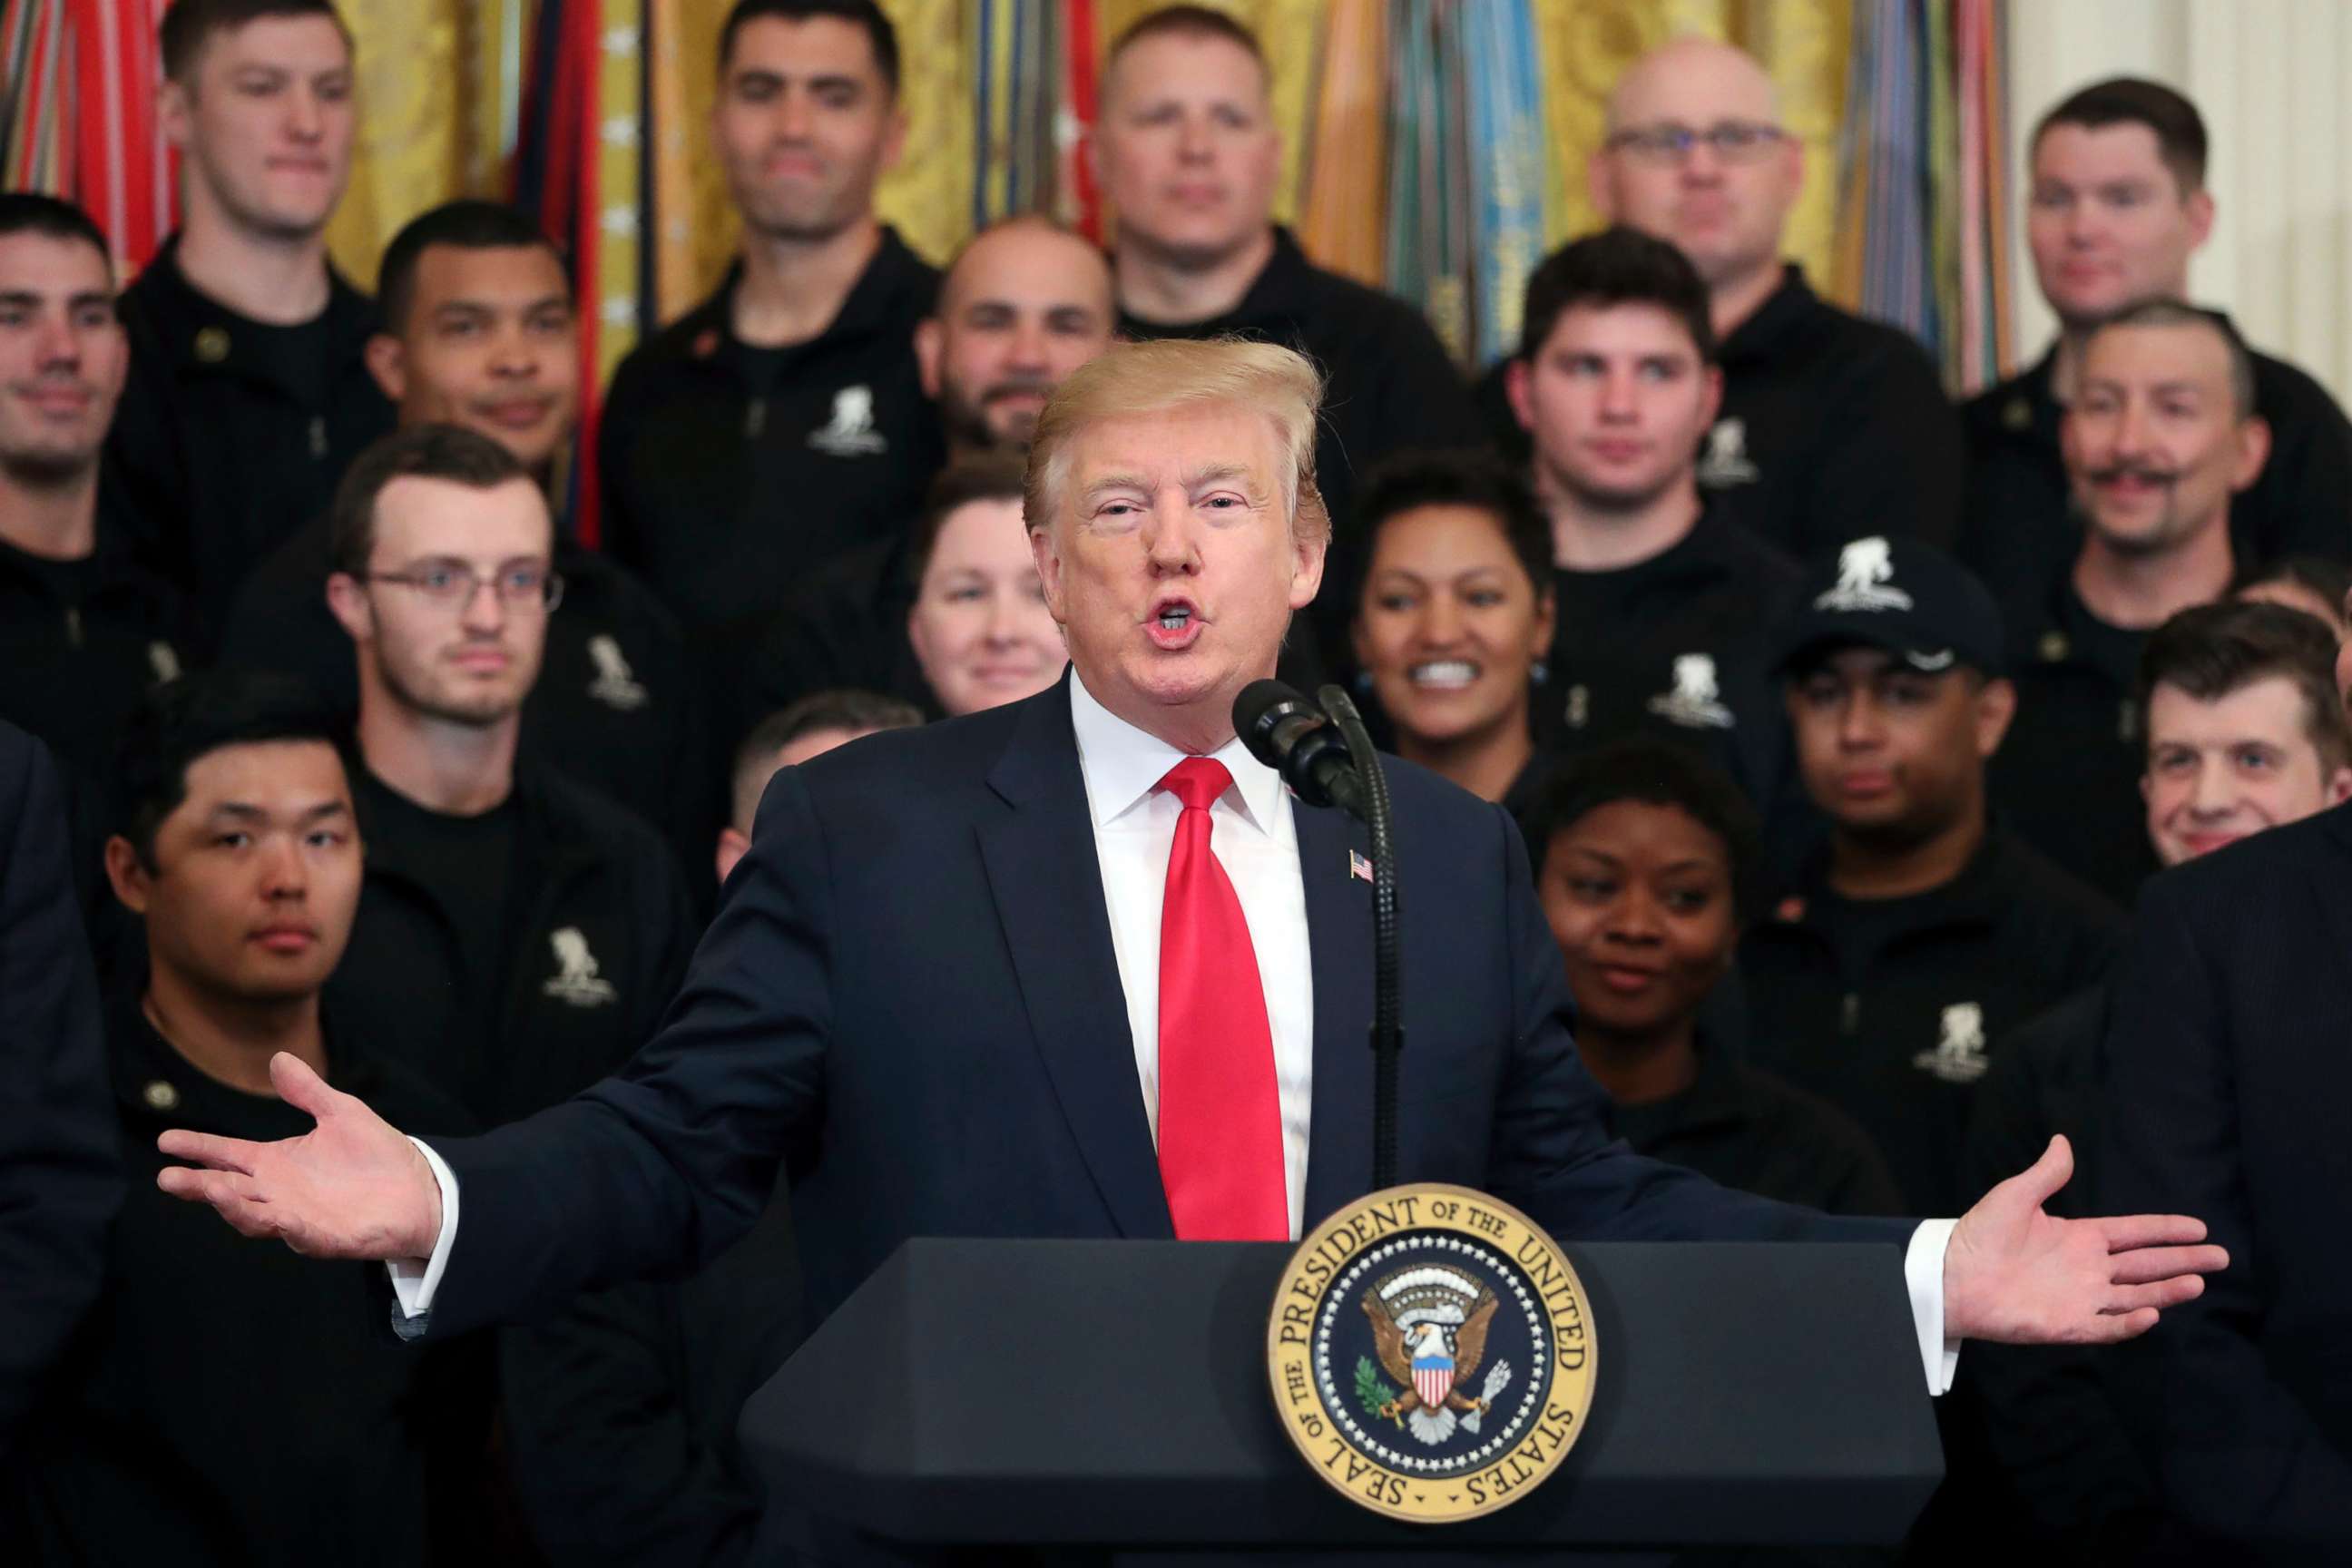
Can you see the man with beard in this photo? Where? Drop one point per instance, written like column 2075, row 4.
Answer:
column 783, row 421
column 249, row 394
column 1023, row 303
column 2162, row 433
column 528, row 929
column 2117, row 206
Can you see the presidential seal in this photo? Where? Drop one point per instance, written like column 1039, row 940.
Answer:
column 1432, row 1353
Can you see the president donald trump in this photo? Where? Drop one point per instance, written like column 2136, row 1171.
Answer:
column 1081, row 967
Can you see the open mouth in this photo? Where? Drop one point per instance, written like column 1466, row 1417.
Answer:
column 1174, row 623
column 1443, row 675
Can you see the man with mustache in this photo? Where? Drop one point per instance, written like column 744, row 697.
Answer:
column 477, row 331
column 249, row 393
column 2162, row 433
column 2115, row 207
column 783, row 421
column 528, row 929
column 84, row 630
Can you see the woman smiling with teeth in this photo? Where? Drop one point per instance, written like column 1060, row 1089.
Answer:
column 1454, row 613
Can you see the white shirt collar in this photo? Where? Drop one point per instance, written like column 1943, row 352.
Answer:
column 1123, row 766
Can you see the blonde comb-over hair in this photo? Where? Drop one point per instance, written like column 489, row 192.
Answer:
column 1129, row 381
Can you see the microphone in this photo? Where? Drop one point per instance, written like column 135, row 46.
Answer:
column 1289, row 734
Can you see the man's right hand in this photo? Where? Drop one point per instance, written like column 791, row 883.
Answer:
column 353, row 1186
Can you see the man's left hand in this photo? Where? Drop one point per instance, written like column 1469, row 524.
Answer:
column 2015, row 1274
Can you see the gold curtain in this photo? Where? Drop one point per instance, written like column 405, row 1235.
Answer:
column 439, row 81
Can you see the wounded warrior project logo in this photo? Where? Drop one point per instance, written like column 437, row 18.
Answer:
column 851, row 433
column 1866, row 568
column 1430, row 1353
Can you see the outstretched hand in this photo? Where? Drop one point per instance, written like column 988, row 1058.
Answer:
column 353, row 1186
column 2015, row 1274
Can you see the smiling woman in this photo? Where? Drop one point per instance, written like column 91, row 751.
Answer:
column 1455, row 611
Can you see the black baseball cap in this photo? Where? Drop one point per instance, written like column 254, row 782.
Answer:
column 1908, row 598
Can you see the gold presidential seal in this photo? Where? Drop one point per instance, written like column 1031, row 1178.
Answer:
column 1432, row 1352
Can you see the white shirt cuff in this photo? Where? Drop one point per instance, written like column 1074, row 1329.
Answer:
column 1923, row 1274
column 414, row 1280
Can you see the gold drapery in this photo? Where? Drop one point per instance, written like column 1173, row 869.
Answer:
column 440, row 82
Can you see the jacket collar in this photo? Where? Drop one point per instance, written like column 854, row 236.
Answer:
column 896, row 284
column 199, row 331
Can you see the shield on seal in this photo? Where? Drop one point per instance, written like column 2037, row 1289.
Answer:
column 1433, row 1370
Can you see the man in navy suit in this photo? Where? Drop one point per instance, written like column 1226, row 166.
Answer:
column 939, row 989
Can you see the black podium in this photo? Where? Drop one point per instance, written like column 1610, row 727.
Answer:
column 1065, row 1392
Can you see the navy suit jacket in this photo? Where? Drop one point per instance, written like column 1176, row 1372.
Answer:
column 2228, row 1080
column 910, row 994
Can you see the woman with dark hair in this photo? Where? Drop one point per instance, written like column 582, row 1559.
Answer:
column 1646, row 855
column 1453, row 615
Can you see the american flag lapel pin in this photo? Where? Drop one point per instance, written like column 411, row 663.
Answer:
column 1358, row 866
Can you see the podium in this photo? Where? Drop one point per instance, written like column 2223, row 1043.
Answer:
column 1048, row 1393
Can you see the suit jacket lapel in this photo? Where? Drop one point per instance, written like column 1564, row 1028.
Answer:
column 1047, row 883
column 1339, row 936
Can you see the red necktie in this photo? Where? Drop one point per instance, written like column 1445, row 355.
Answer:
column 1220, row 1118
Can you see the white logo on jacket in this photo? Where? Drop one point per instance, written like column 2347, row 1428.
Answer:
column 1866, row 568
column 1695, row 702
column 1725, row 462
column 851, row 433
column 1959, row 1056
column 576, row 979
column 616, row 685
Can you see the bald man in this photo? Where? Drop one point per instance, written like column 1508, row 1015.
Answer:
column 1831, row 426
column 1025, row 303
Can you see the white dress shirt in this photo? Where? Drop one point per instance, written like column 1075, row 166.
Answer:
column 1256, row 841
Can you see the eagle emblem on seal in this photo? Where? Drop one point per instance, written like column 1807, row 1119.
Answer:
column 1429, row 1330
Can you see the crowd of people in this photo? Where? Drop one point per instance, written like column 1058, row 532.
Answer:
column 1844, row 726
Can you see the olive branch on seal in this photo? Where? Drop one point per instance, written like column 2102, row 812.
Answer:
column 1372, row 1392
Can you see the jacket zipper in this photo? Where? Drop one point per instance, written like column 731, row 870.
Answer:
column 318, row 436
column 1849, row 1012
column 756, row 419
column 73, row 625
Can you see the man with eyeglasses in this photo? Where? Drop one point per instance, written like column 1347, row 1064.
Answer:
column 527, row 930
column 477, row 331
column 1830, row 424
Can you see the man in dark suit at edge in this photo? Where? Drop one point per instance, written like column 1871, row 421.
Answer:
column 1177, row 528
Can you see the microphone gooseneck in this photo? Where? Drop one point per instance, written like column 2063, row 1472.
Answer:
column 1388, row 1016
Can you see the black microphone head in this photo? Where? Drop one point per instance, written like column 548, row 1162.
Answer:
column 1261, row 706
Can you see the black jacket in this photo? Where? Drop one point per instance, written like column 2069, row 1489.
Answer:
column 728, row 472
column 1676, row 647
column 81, row 643
column 1833, row 426
column 1390, row 387
column 227, row 1403
column 2021, row 527
column 60, row 1179
column 2066, row 778
column 1745, row 1128
column 587, row 872
column 616, row 700
column 1895, row 1024
column 232, row 434
column 2227, row 1077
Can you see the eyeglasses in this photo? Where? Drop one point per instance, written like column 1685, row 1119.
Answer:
column 1732, row 141
column 452, row 584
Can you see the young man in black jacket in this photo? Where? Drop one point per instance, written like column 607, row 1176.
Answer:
column 477, row 331
column 783, row 421
column 248, row 395
column 528, row 929
column 85, row 632
column 237, row 848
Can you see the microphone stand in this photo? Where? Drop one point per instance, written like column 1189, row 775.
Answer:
column 1388, row 1024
